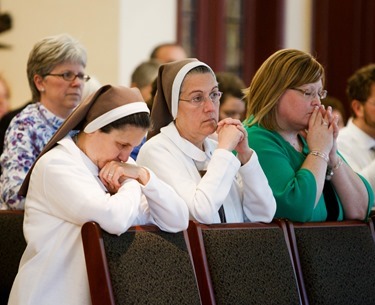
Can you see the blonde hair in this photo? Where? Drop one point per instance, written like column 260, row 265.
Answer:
column 285, row 69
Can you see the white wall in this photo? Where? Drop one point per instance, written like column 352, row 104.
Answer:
column 297, row 27
column 143, row 25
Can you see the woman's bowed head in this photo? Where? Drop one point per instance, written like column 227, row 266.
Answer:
column 108, row 138
column 109, row 124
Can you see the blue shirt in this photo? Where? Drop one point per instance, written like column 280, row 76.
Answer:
column 134, row 153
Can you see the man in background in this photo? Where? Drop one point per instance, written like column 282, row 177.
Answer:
column 356, row 141
column 143, row 76
column 167, row 52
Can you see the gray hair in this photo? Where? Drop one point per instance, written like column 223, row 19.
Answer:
column 50, row 52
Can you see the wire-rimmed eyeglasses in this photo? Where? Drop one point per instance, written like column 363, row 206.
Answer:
column 198, row 100
column 70, row 76
column 312, row 95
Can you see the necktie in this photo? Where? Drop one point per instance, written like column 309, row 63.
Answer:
column 221, row 209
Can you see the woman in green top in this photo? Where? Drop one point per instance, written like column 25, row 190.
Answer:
column 295, row 139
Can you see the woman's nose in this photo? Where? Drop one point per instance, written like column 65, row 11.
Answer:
column 316, row 100
column 125, row 153
column 209, row 105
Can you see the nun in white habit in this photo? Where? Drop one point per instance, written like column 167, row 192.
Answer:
column 216, row 184
column 88, row 177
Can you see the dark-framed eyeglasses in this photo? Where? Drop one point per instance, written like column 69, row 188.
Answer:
column 70, row 76
column 198, row 100
column 312, row 95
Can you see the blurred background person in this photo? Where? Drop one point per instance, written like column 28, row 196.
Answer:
column 167, row 52
column 5, row 94
column 337, row 109
column 143, row 76
column 4, row 124
column 56, row 76
column 91, row 86
column 356, row 140
column 232, row 104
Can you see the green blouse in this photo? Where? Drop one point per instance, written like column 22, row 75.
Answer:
column 294, row 188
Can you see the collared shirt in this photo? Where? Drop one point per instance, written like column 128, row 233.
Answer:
column 357, row 147
column 25, row 138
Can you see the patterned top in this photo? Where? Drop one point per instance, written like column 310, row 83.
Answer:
column 27, row 134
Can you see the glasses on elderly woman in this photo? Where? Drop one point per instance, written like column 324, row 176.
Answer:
column 308, row 95
column 70, row 76
column 198, row 100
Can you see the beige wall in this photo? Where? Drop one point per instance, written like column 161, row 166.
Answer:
column 117, row 34
column 93, row 25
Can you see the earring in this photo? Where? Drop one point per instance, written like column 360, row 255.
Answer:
column 42, row 90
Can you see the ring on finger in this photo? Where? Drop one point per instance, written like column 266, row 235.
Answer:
column 110, row 175
column 325, row 123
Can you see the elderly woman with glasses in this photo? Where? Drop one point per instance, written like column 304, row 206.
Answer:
column 56, row 75
column 295, row 139
column 217, row 185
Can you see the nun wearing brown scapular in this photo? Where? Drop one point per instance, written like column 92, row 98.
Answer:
column 216, row 185
column 88, row 177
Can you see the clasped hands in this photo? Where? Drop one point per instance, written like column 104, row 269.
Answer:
column 114, row 173
column 322, row 133
column 233, row 136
